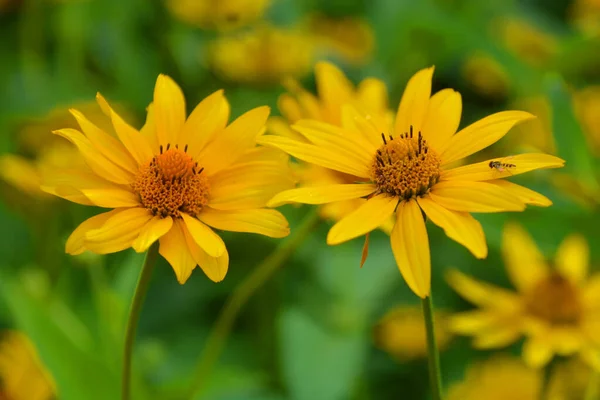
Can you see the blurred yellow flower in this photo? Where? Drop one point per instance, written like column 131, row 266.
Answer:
column 525, row 40
column 220, row 15
column 585, row 14
column 22, row 375
column 404, row 172
column 401, row 332
column 557, row 306
column 499, row 378
column 173, row 181
column 587, row 108
column 537, row 136
column 264, row 55
column 571, row 380
column 486, row 76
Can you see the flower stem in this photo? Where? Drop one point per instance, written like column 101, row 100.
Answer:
column 220, row 331
column 134, row 316
column 435, row 371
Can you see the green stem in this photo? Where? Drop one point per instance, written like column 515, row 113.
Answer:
column 220, row 331
column 134, row 316
column 435, row 371
column 591, row 392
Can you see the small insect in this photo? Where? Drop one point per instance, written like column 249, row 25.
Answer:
column 501, row 166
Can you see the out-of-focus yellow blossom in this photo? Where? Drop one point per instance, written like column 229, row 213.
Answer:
column 571, row 380
column 486, row 76
column 264, row 55
column 220, row 15
column 526, row 41
column 334, row 91
column 401, row 332
column 538, row 134
column 557, row 306
column 585, row 14
column 499, row 378
column 22, row 375
column 587, row 108
column 351, row 38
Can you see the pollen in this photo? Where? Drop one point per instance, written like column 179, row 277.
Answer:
column 555, row 300
column 171, row 183
column 405, row 166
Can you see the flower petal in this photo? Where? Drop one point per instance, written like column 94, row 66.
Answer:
column 537, row 351
column 174, row 248
column 208, row 119
column 443, row 118
column 151, row 232
column 410, row 246
column 482, row 134
column 414, row 103
column 369, row 216
column 573, row 258
column 148, row 131
column 524, row 263
column 118, row 232
column 204, row 237
column 76, row 241
column 322, row 194
column 372, row 94
column 475, row 197
column 459, row 226
column 215, row 268
column 482, row 294
column 524, row 194
column 333, row 87
column 500, row 336
column 169, row 110
column 265, row 222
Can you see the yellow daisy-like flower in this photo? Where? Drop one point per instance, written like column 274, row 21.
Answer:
column 174, row 180
column 221, row 15
column 401, row 332
column 404, row 171
column 486, row 76
column 22, row 375
column 557, row 308
column 499, row 378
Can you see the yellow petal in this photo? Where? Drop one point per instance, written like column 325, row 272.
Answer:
column 134, row 141
column 96, row 161
column 372, row 93
column 459, row 226
column 522, row 163
column 322, row 194
column 524, row 194
column 482, row 294
column 151, row 232
column 475, row 197
column 443, row 118
column 333, row 87
column 169, row 110
column 215, row 268
column 118, row 232
column 289, row 108
column 501, row 336
column 315, row 155
column 76, row 241
column 370, row 215
column 174, row 248
column 414, row 103
column 537, row 351
column 482, row 134
column 208, row 119
column 524, row 263
column 410, row 246
column 148, row 131
column 473, row 322
column 573, row 258
column 265, row 222
column 235, row 140
column 279, row 126
column 205, row 237
column 367, row 129
column 21, row 173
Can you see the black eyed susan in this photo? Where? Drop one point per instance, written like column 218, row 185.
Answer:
column 557, row 306
column 404, row 171
column 174, row 181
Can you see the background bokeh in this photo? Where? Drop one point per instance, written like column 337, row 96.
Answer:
column 310, row 332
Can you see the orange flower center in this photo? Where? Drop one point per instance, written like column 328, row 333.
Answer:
column 172, row 183
column 405, row 166
column 556, row 300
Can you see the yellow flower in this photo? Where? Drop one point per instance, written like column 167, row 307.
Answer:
column 264, row 55
column 486, row 76
column 537, row 136
column 587, row 103
column 526, row 41
column 220, row 15
column 557, row 308
column 174, row 180
column 401, row 332
column 499, row 378
column 22, row 375
column 570, row 380
column 406, row 173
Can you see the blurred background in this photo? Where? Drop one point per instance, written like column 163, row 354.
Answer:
column 321, row 328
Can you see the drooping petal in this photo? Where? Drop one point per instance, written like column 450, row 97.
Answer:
column 442, row 119
column 76, row 241
column 475, row 197
column 154, row 229
column 524, row 263
column 524, row 194
column 322, row 194
column 415, row 101
column 208, row 119
column 174, row 248
column 511, row 165
column 369, row 216
column 169, row 110
column 459, row 226
column 410, row 246
column 573, row 258
column 482, row 134
column 215, row 268
column 204, row 237
column 482, row 294
column 265, row 222
column 537, row 351
column 118, row 232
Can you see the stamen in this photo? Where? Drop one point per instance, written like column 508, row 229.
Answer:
column 383, row 137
